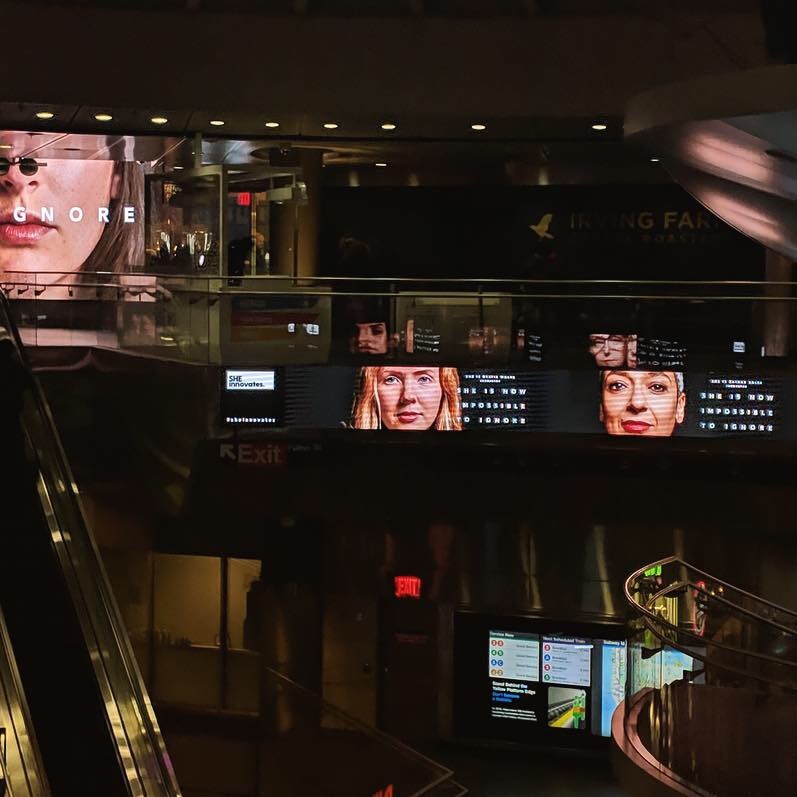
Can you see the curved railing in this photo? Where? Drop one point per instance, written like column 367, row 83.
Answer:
column 711, row 686
column 717, row 623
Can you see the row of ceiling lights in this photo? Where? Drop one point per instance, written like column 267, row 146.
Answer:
column 478, row 127
column 162, row 120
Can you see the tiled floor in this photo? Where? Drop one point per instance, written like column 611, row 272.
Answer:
column 529, row 773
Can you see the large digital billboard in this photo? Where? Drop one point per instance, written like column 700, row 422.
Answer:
column 625, row 402
column 70, row 216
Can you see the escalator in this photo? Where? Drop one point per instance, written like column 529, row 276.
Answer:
column 85, row 700
column 711, row 697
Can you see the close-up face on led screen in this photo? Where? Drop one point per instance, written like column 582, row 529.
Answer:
column 369, row 338
column 609, row 351
column 407, row 398
column 70, row 215
column 651, row 403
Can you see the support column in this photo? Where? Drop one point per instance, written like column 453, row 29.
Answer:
column 310, row 214
column 295, row 228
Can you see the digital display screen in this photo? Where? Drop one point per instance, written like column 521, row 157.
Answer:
column 566, row 660
column 422, row 336
column 519, row 678
column 457, row 329
column 514, row 655
column 739, row 405
column 613, row 681
column 567, row 708
column 611, row 350
column 83, row 216
column 656, row 353
column 502, row 400
column 642, row 403
column 617, row 402
column 250, row 380
column 252, row 397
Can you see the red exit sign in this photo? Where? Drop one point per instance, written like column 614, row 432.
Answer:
column 407, row 587
column 386, row 792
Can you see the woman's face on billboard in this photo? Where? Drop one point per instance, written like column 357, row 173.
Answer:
column 409, row 397
column 369, row 338
column 61, row 244
column 609, row 351
column 642, row 403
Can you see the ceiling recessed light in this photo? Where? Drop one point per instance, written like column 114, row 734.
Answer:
column 599, row 126
column 389, row 126
column 272, row 124
column 217, row 122
column 331, row 125
column 103, row 117
column 44, row 115
column 478, row 127
column 654, row 160
column 177, row 167
column 6, row 146
column 380, row 163
column 159, row 120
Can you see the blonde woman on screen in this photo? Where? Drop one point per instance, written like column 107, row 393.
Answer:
column 408, row 398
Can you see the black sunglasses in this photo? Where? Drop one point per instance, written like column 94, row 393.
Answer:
column 28, row 166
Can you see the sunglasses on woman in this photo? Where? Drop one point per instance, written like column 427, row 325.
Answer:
column 28, row 166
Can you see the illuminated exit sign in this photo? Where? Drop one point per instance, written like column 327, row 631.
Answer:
column 407, row 587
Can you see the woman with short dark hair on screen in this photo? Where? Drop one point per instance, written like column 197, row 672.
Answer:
column 647, row 403
column 407, row 398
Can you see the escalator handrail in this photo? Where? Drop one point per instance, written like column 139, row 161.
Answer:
column 22, row 730
column 677, row 586
column 637, row 574
column 655, row 623
column 700, row 641
column 155, row 761
column 693, row 650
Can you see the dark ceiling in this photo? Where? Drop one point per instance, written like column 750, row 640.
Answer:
column 429, row 8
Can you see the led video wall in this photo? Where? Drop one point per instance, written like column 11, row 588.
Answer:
column 404, row 365
column 617, row 402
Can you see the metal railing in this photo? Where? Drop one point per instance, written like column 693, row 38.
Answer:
column 20, row 759
column 711, row 692
column 209, row 319
column 715, row 622
column 312, row 747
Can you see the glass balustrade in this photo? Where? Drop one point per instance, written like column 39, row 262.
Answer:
column 280, row 320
